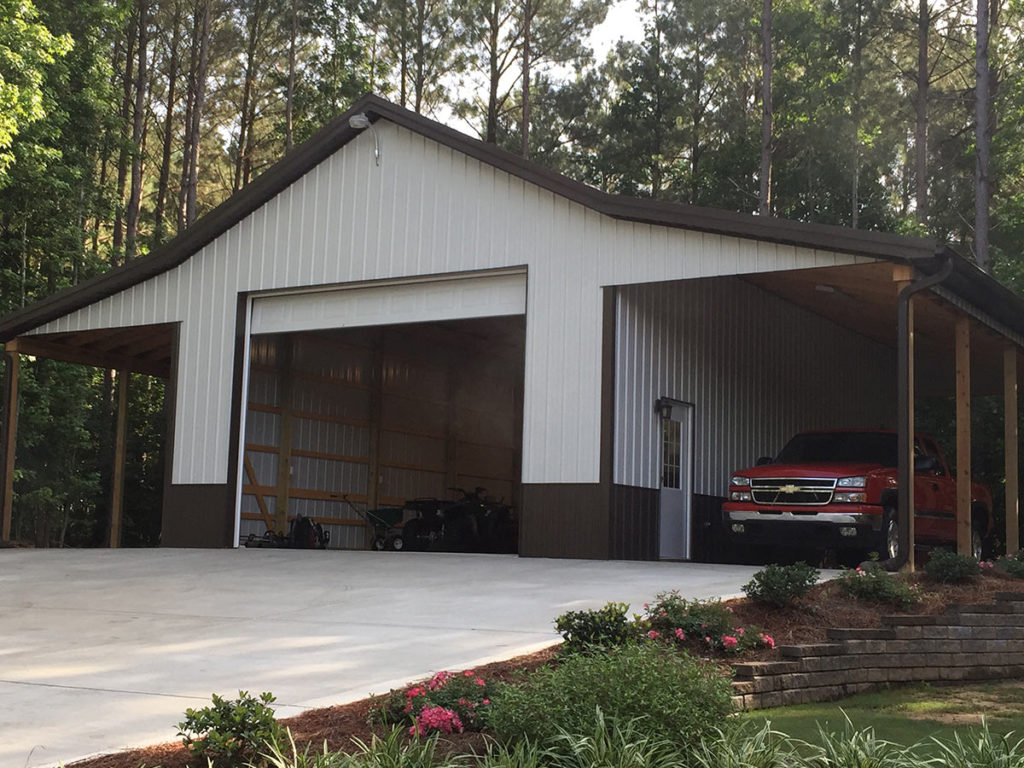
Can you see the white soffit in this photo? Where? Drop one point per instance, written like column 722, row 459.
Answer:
column 424, row 300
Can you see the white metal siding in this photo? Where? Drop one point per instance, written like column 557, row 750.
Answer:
column 427, row 210
column 756, row 368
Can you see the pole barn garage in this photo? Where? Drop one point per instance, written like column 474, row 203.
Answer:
column 396, row 309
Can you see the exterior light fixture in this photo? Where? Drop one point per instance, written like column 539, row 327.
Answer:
column 361, row 122
column 663, row 407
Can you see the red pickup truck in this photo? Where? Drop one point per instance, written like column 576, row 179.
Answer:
column 837, row 489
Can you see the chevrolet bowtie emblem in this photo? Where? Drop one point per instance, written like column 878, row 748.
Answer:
column 789, row 489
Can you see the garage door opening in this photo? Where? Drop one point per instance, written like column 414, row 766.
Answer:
column 390, row 424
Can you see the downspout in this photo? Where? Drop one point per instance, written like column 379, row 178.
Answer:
column 905, row 469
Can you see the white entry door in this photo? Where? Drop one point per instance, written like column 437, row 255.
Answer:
column 676, row 483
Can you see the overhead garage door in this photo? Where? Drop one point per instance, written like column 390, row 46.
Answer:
column 365, row 397
column 417, row 301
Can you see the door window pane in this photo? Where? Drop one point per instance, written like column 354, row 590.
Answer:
column 671, row 433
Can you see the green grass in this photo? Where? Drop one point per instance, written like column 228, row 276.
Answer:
column 906, row 715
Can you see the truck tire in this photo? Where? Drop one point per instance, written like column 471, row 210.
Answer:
column 979, row 533
column 890, row 534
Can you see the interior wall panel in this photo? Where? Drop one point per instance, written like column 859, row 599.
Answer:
column 756, row 368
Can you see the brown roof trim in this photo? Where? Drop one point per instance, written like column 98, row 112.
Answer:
column 338, row 132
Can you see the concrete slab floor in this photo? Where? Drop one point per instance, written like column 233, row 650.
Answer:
column 105, row 649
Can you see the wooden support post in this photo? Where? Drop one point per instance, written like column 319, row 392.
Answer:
column 284, row 453
column 911, row 564
column 1010, row 439
column 963, row 435
column 117, row 477
column 376, row 415
column 10, row 442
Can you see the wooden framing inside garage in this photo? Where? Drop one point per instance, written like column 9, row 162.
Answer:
column 377, row 416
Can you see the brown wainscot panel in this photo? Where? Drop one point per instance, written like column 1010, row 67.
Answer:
column 634, row 523
column 198, row 516
column 564, row 520
column 708, row 536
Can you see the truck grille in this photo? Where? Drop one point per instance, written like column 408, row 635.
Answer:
column 799, row 490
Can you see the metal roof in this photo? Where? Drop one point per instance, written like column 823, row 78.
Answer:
column 973, row 284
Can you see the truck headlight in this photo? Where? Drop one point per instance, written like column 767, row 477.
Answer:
column 740, row 480
column 848, row 497
column 852, row 482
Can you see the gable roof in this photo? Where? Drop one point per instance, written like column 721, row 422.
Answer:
column 338, row 132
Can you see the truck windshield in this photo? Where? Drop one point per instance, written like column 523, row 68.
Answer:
column 860, row 447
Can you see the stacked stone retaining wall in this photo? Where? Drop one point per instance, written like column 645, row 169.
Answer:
column 967, row 642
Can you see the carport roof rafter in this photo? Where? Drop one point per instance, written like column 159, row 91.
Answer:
column 968, row 281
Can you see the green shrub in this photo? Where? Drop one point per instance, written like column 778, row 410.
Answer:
column 448, row 703
column 612, row 743
column 702, row 624
column 603, row 628
column 230, row 733
column 669, row 694
column 781, row 585
column 948, row 567
column 1011, row 565
column 746, row 747
column 396, row 751
column 852, row 748
column 874, row 585
column 979, row 749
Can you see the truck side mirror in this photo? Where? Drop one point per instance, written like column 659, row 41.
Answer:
column 925, row 464
column 764, row 460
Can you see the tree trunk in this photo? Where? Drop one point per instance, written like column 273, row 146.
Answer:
column 246, row 113
column 982, row 138
column 419, row 55
column 764, row 197
column 197, row 113
column 190, row 100
column 138, row 126
column 491, row 130
column 289, row 127
column 525, row 130
column 168, row 138
column 122, row 155
column 921, row 122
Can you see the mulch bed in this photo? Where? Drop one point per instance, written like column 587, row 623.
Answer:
column 805, row 623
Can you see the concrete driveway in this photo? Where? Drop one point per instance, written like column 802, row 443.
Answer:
column 104, row 649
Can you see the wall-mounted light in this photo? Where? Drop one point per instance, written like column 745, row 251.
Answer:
column 361, row 122
column 663, row 407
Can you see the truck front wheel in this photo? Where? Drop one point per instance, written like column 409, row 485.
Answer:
column 891, row 534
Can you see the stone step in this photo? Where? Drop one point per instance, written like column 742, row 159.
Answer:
column 910, row 620
column 812, row 649
column 1010, row 597
column 751, row 669
column 869, row 633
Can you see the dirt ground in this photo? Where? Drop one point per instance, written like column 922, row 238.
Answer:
column 805, row 623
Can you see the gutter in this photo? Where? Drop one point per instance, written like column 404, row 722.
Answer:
column 905, row 469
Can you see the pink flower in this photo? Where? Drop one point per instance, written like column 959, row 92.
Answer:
column 468, row 673
column 707, row 640
column 439, row 680
column 647, row 605
column 680, row 634
column 767, row 640
column 479, row 681
column 728, row 608
column 485, row 702
column 739, row 631
column 729, row 642
column 987, row 565
column 436, row 718
column 653, row 635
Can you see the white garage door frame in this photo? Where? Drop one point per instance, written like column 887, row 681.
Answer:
column 461, row 296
